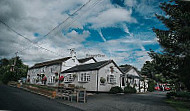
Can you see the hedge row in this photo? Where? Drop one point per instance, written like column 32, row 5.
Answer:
column 127, row 89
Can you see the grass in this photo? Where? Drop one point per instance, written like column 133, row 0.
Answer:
column 179, row 105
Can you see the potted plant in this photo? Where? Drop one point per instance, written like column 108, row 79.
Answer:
column 102, row 80
column 74, row 76
column 44, row 79
column 61, row 78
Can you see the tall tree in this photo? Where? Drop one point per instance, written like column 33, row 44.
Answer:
column 6, row 74
column 174, row 60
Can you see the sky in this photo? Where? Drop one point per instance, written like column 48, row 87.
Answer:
column 119, row 29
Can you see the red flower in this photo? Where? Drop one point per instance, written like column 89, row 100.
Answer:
column 44, row 78
column 61, row 78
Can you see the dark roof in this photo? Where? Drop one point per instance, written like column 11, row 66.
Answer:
column 47, row 63
column 86, row 59
column 89, row 67
column 127, row 68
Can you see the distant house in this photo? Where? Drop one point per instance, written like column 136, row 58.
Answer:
column 52, row 69
column 99, row 76
column 133, row 77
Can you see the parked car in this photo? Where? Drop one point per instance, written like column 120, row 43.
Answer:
column 167, row 88
column 157, row 88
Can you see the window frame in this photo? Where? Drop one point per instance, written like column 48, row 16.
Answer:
column 111, row 79
column 84, row 77
column 69, row 78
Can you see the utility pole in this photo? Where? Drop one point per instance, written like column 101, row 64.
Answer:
column 15, row 59
column 15, row 69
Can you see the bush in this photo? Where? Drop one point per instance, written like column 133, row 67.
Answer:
column 129, row 89
column 178, row 94
column 170, row 94
column 8, row 76
column 116, row 89
column 151, row 86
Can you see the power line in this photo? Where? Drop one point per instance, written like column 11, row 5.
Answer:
column 26, row 38
column 59, row 24
column 35, row 43
column 94, row 4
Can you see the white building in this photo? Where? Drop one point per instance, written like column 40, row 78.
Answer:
column 52, row 69
column 133, row 77
column 86, row 73
column 90, row 76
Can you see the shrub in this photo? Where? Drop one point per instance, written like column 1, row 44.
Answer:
column 178, row 94
column 8, row 76
column 129, row 89
column 116, row 89
column 151, row 86
column 183, row 94
column 170, row 94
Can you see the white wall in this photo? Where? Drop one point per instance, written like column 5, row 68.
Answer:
column 89, row 86
column 89, row 61
column 103, row 72
column 69, row 63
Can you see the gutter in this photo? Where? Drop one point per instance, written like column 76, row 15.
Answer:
column 97, row 81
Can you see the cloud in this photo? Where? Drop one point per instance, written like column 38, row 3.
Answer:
column 112, row 17
column 39, row 16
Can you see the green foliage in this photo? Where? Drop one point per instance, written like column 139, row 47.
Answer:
column 102, row 80
column 170, row 94
column 173, row 61
column 178, row 94
column 129, row 89
column 116, row 89
column 20, row 70
column 151, row 85
column 8, row 76
column 148, row 69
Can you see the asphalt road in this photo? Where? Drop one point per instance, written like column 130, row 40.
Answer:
column 19, row 100
column 125, row 102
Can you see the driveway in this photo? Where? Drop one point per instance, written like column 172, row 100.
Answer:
column 20, row 100
column 126, row 102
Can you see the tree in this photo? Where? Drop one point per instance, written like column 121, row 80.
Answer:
column 148, row 69
column 20, row 69
column 173, row 61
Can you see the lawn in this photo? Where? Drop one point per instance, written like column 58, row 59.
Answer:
column 179, row 105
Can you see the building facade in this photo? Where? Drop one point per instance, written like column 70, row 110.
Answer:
column 98, row 77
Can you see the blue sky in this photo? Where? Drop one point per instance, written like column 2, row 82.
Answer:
column 119, row 29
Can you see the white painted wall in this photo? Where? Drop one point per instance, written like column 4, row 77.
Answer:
column 69, row 63
column 89, row 86
column 103, row 72
column 89, row 61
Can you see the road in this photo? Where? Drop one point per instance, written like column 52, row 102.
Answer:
column 125, row 102
column 19, row 100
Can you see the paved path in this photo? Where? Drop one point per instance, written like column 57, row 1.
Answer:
column 130, row 102
column 19, row 100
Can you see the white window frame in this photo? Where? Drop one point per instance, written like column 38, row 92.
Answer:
column 84, row 77
column 111, row 79
column 69, row 78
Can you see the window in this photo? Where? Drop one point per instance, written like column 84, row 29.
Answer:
column 68, row 78
column 111, row 79
column 84, row 77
